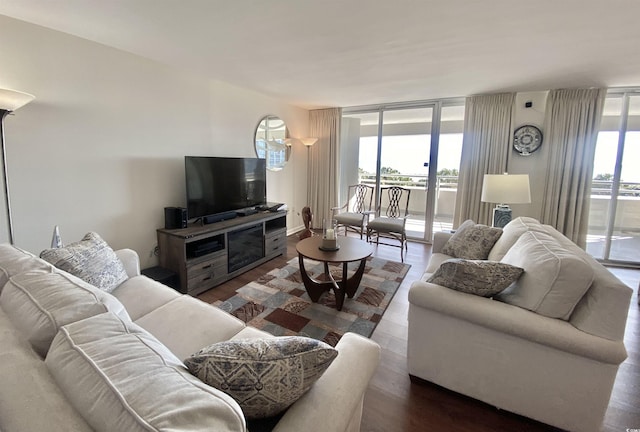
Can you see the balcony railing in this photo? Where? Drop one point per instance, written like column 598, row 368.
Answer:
column 412, row 181
column 419, row 181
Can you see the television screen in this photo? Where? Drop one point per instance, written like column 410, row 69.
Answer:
column 223, row 184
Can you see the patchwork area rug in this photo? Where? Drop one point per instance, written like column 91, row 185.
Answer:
column 279, row 304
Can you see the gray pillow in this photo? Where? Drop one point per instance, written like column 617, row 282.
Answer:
column 91, row 259
column 472, row 241
column 479, row 277
column 265, row 376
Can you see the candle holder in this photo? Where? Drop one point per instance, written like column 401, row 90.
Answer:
column 329, row 235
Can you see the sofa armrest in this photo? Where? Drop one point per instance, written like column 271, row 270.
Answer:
column 130, row 260
column 332, row 401
column 515, row 321
column 439, row 240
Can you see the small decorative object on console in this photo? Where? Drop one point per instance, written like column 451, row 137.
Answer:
column 329, row 241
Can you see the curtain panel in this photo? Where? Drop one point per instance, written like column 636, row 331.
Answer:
column 488, row 126
column 572, row 122
column 322, row 174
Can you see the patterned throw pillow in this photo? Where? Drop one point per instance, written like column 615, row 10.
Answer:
column 265, row 376
column 472, row 241
column 479, row 277
column 91, row 259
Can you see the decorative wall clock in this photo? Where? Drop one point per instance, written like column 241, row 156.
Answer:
column 527, row 139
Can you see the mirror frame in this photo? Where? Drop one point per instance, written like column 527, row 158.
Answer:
column 271, row 143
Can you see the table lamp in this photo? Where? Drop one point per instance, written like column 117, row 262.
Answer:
column 505, row 189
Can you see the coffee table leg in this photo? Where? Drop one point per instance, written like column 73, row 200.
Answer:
column 314, row 289
column 351, row 286
column 346, row 286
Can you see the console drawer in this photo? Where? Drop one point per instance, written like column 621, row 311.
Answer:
column 275, row 242
column 205, row 281
column 207, row 266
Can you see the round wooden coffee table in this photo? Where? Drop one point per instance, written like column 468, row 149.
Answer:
column 351, row 249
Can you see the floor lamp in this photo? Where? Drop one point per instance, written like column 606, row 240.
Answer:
column 10, row 100
column 308, row 142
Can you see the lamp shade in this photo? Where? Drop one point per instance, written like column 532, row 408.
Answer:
column 308, row 141
column 11, row 100
column 506, row 189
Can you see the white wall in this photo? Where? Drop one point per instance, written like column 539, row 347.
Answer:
column 536, row 163
column 102, row 146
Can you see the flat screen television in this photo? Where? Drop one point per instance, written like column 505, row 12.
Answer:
column 219, row 185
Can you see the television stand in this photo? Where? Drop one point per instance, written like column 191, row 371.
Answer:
column 204, row 256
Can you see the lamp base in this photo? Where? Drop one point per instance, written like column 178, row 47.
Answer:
column 501, row 215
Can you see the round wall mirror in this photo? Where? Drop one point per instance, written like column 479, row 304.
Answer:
column 270, row 142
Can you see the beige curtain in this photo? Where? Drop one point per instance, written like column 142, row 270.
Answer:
column 485, row 146
column 322, row 176
column 572, row 121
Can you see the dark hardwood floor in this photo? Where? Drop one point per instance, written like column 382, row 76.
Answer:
column 394, row 403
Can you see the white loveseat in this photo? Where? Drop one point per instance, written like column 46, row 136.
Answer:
column 557, row 371
column 130, row 352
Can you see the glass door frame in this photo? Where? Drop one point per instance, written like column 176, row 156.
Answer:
column 625, row 95
column 436, row 107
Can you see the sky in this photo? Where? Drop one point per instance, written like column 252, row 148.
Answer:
column 408, row 153
column 606, row 150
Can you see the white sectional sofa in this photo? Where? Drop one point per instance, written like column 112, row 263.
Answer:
column 120, row 366
column 558, row 370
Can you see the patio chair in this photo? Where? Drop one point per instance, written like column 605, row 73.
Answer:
column 392, row 225
column 356, row 211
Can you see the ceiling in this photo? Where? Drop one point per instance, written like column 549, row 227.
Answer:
column 323, row 53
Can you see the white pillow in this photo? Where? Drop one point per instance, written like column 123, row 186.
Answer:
column 510, row 235
column 91, row 259
column 121, row 378
column 554, row 279
column 39, row 303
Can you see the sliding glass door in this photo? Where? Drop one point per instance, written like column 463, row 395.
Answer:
column 398, row 145
column 614, row 217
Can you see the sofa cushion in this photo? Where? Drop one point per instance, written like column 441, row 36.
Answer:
column 472, row 241
column 91, row 259
column 30, row 399
column 39, row 303
column 510, row 234
column 141, row 295
column 554, row 278
column 121, row 378
column 167, row 323
column 265, row 376
column 479, row 277
column 14, row 260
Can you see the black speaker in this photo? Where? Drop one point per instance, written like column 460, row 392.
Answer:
column 175, row 217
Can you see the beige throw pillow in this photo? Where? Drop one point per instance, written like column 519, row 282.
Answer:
column 265, row 376
column 479, row 277
column 91, row 259
column 472, row 241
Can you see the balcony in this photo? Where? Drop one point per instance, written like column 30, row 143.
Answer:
column 625, row 240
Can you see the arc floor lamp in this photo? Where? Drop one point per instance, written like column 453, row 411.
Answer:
column 10, row 100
